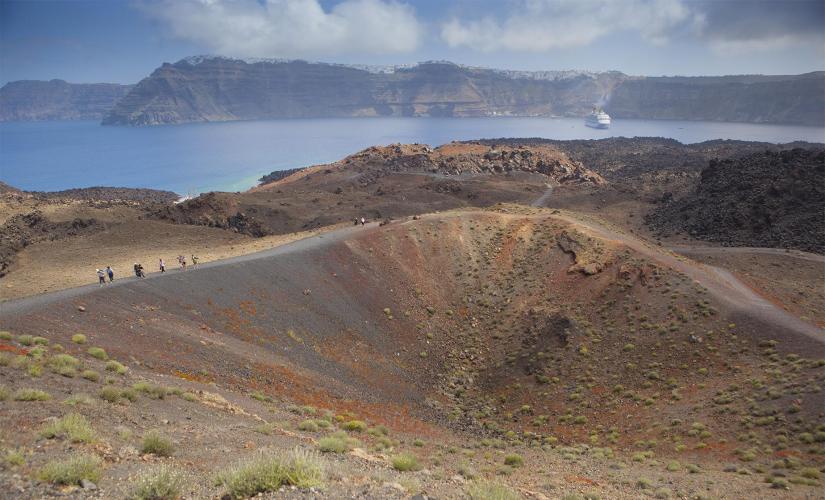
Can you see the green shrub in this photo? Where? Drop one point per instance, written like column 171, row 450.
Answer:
column 4, row 393
column 40, row 341
column 26, row 340
column 418, row 442
column 513, row 460
column 308, row 426
column 37, row 353
column 159, row 483
column 404, row 462
column 6, row 358
column 72, row 470
column 35, row 370
column 4, row 335
column 267, row 471
column 64, row 364
column 491, row 491
column 151, row 390
column 14, row 458
column 354, row 425
column 73, row 427
column 79, row 399
column 79, row 338
column 674, row 466
column 98, row 353
column 114, row 366
column 332, row 444
column 810, row 473
column 110, row 394
column 156, row 444
column 31, row 395
column 188, row 396
column 90, row 375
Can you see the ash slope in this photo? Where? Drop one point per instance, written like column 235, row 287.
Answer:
column 511, row 322
column 770, row 199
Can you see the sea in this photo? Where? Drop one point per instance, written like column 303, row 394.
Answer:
column 231, row 156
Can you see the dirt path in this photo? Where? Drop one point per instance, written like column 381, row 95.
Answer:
column 539, row 202
column 28, row 303
column 797, row 254
column 720, row 283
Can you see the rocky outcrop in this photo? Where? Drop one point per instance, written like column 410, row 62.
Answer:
column 790, row 99
column 468, row 158
column 22, row 230
column 32, row 100
column 769, row 199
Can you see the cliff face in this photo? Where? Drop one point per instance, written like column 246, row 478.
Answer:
column 32, row 100
column 218, row 89
column 796, row 99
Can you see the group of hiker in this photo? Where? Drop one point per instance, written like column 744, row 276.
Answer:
column 362, row 221
column 102, row 274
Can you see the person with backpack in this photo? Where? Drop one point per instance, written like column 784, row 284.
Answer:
column 101, row 277
column 111, row 273
column 162, row 265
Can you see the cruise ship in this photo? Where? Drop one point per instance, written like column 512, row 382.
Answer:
column 597, row 119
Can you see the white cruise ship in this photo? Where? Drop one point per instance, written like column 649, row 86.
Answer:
column 597, row 119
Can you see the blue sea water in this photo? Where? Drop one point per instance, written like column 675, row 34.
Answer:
column 194, row 158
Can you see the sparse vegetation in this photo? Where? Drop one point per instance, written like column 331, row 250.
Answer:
column 155, row 443
column 98, row 353
column 114, row 366
column 513, row 460
column 14, row 458
column 354, row 425
column 267, row 471
column 158, row 483
column 405, row 462
column 31, row 395
column 491, row 491
column 79, row 338
column 90, row 375
column 73, row 427
column 64, row 364
column 72, row 470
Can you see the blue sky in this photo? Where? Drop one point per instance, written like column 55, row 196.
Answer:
column 124, row 40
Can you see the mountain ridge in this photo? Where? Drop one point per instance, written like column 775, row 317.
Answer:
column 38, row 100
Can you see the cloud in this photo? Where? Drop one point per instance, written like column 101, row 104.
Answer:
column 291, row 28
column 542, row 25
column 744, row 26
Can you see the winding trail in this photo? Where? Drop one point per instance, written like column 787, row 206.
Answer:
column 28, row 303
column 720, row 283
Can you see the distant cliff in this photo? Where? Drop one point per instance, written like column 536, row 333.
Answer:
column 33, row 100
column 220, row 89
column 796, row 99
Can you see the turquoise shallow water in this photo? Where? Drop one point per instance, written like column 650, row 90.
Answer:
column 231, row 156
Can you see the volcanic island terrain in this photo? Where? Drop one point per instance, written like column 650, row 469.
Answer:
column 518, row 318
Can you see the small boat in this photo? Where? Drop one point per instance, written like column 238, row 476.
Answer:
column 597, row 119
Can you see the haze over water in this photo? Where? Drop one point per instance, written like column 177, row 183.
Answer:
column 231, row 156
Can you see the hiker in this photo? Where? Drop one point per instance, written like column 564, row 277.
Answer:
column 363, row 221
column 356, row 221
column 182, row 262
column 101, row 277
column 139, row 271
column 111, row 273
column 194, row 260
column 162, row 266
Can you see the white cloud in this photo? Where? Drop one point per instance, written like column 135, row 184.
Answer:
column 541, row 25
column 291, row 28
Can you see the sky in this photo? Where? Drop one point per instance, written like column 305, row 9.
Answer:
column 123, row 41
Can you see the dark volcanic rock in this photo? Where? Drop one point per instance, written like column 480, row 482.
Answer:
column 32, row 100
column 22, row 230
column 769, row 199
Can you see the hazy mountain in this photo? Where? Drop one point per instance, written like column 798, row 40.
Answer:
column 218, row 89
column 31, row 100
column 795, row 99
